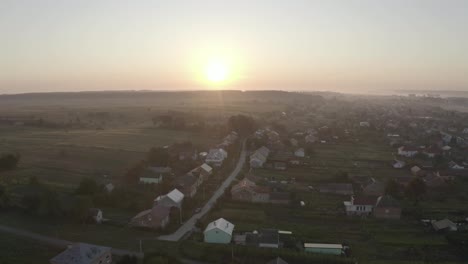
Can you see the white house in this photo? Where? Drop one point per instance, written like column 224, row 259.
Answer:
column 407, row 151
column 216, row 157
column 109, row 187
column 172, row 199
column 219, row 232
column 206, row 169
column 299, row 153
column 453, row 165
column 398, row 164
column 259, row 157
column 154, row 175
column 95, row 215
column 359, row 206
column 444, row 224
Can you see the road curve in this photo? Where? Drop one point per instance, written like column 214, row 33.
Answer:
column 190, row 224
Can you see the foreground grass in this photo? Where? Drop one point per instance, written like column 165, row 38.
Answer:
column 18, row 250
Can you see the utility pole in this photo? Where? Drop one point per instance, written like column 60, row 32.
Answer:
column 141, row 248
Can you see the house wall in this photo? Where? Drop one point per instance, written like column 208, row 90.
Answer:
column 255, row 163
column 261, row 198
column 105, row 258
column 217, row 236
column 331, row 251
column 266, row 245
column 359, row 209
column 150, row 180
column 242, row 195
column 387, row 213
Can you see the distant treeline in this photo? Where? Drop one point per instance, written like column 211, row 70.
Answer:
column 226, row 95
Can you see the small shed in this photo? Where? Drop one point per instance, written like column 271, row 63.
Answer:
column 331, row 249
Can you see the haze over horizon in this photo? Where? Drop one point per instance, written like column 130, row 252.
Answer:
column 335, row 45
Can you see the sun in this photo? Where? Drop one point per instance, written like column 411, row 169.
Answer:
column 217, row 71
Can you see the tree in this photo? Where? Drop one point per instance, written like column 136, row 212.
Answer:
column 309, row 149
column 158, row 156
column 416, row 189
column 49, row 204
column 392, row 188
column 242, row 124
column 9, row 161
column 80, row 208
column 133, row 174
column 5, row 199
column 88, row 186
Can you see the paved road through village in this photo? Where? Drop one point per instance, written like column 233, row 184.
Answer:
column 190, row 224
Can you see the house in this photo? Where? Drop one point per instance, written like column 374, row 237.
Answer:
column 331, row 249
column 184, row 151
column 280, row 160
column 403, row 180
column 387, row 207
column 362, row 206
column 336, row 188
column 188, row 184
column 280, row 198
column 269, row 238
column 434, row 180
column 156, row 217
column 416, row 171
column 446, row 137
column 375, row 188
column 300, row 153
column 454, row 166
column 154, row 175
column 398, row 164
column 219, row 231
column 95, row 215
column 216, row 157
column 173, row 199
column 82, row 253
column 277, row 260
column 206, row 170
column 310, row 139
column 294, row 142
column 431, row 152
column 360, row 180
column 364, row 124
column 109, row 187
column 408, row 151
column 426, row 165
column 248, row 191
column 259, row 157
column 444, row 225
column 446, row 148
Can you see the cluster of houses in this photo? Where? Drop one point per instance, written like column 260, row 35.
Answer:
column 185, row 185
column 221, row 231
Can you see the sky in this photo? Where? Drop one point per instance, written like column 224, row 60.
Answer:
column 69, row 45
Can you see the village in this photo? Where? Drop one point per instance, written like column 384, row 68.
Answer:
column 305, row 185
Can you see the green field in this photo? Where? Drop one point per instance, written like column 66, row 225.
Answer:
column 62, row 158
column 18, row 250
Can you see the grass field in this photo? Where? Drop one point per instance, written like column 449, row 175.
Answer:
column 17, row 250
column 62, row 158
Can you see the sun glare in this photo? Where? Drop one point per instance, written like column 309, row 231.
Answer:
column 217, row 71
